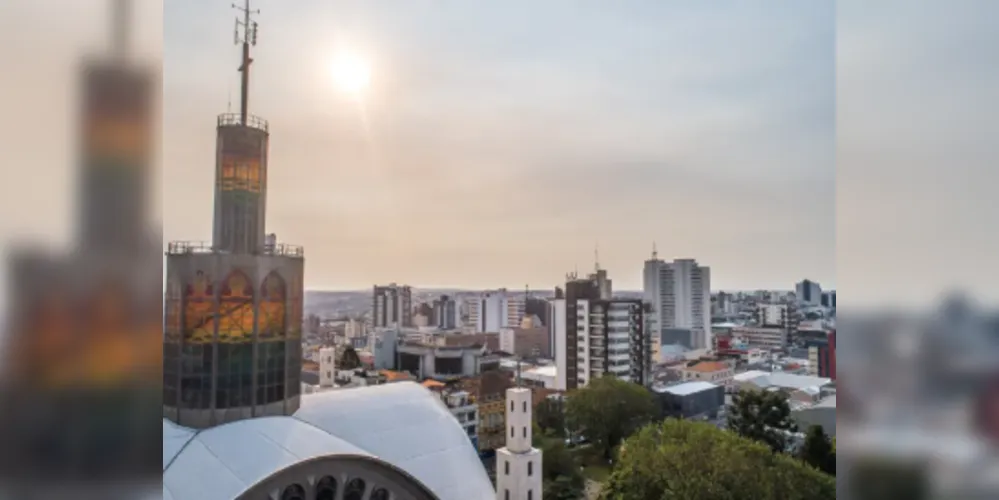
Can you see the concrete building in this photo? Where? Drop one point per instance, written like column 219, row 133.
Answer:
column 495, row 310
column 761, row 337
column 518, row 464
column 392, row 305
column 439, row 362
column 772, row 315
column 446, row 315
column 680, row 294
column 540, row 376
column 599, row 337
column 822, row 356
column 717, row 372
column 488, row 390
column 525, row 342
column 808, row 293
column 691, row 400
column 557, row 334
column 829, row 299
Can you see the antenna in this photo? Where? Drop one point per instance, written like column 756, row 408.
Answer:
column 248, row 38
column 121, row 11
column 655, row 254
column 596, row 258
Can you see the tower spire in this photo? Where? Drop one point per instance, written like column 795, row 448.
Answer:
column 248, row 37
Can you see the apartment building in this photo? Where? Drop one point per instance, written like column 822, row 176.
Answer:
column 680, row 295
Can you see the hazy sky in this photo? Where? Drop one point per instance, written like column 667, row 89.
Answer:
column 501, row 141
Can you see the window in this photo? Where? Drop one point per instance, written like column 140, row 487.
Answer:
column 507, row 495
column 513, row 433
column 511, row 405
column 525, row 431
column 530, row 494
column 530, row 468
column 506, row 468
column 525, row 406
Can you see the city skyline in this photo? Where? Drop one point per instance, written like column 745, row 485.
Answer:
column 460, row 165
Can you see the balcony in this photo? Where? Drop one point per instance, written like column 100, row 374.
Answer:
column 235, row 120
column 204, row 247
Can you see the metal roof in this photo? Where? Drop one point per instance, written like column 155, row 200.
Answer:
column 401, row 423
column 689, row 388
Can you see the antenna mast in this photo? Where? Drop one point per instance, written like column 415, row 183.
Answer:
column 655, row 254
column 248, row 38
column 121, row 11
column 596, row 258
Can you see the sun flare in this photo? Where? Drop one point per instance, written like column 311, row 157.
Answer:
column 352, row 73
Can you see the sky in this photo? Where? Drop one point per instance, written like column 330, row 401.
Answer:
column 502, row 141
column 505, row 143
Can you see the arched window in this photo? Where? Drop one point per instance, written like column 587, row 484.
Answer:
column 293, row 492
column 326, row 488
column 354, row 490
column 380, row 494
column 506, row 467
column 530, row 468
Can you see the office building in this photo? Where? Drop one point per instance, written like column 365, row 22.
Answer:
column 829, row 299
column 392, row 305
column 690, row 400
column 822, row 356
column 680, row 296
column 808, row 293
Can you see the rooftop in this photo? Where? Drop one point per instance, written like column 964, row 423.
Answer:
column 708, row 367
column 781, row 380
column 403, row 425
column 687, row 388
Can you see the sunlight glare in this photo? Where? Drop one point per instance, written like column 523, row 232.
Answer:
column 351, row 73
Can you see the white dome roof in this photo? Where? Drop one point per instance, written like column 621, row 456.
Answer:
column 402, row 424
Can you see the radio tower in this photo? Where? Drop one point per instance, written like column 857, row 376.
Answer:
column 247, row 36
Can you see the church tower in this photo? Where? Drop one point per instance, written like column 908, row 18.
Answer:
column 518, row 464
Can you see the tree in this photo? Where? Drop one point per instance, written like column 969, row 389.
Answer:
column 550, row 417
column 764, row 416
column 349, row 360
column 561, row 477
column 688, row 460
column 608, row 410
column 818, row 450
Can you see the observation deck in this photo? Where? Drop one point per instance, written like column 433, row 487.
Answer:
column 204, row 247
column 235, row 120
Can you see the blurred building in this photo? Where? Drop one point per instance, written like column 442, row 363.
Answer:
column 808, row 292
column 518, row 464
column 771, row 338
column 392, row 305
column 690, row 400
column 488, row 390
column 495, row 310
column 462, row 405
column 717, row 372
column 529, row 342
column 822, row 356
column 446, row 313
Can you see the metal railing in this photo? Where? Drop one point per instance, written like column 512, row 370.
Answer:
column 204, row 247
column 235, row 119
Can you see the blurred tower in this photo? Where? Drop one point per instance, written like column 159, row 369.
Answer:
column 232, row 340
column 518, row 464
column 327, row 366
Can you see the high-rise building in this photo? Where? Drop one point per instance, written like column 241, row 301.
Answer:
column 518, row 464
column 822, row 356
column 494, row 310
column 594, row 337
column 829, row 299
column 679, row 293
column 808, row 293
column 446, row 313
column 392, row 306
column 772, row 315
column 232, row 338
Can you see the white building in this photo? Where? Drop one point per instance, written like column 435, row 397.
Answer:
column 772, row 315
column 680, row 294
column 761, row 337
column 327, row 366
column 518, row 464
column 495, row 310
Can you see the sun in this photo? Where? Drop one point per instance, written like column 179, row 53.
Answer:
column 352, row 73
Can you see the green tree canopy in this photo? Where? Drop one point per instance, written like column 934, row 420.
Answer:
column 763, row 416
column 608, row 410
column 687, row 460
column 818, row 450
column 550, row 417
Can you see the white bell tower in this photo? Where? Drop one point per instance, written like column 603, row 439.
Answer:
column 518, row 465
